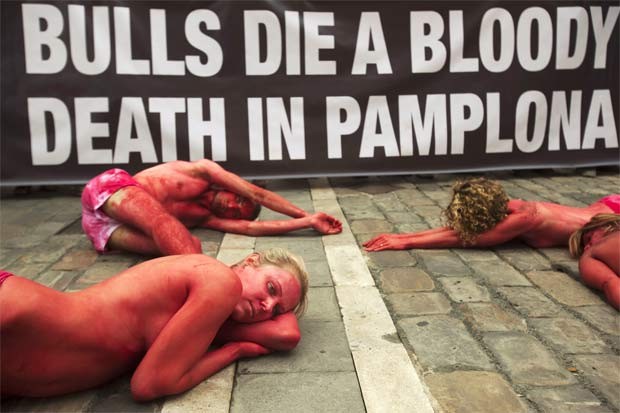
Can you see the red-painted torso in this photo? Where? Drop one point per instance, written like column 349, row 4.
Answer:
column 56, row 342
column 552, row 224
column 177, row 187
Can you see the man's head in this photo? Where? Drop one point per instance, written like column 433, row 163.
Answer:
column 600, row 224
column 477, row 206
column 225, row 204
column 274, row 282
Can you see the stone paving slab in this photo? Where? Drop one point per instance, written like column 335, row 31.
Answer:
column 323, row 347
column 297, row 392
column 567, row 399
column 474, row 391
column 515, row 352
column 483, row 330
column 602, row 371
column 440, row 341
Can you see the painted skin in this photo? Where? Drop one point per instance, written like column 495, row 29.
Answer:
column 178, row 195
column 538, row 224
column 599, row 265
column 157, row 319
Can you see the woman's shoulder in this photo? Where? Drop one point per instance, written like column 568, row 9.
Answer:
column 521, row 207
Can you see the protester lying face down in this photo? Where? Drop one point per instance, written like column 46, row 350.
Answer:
column 157, row 319
column 480, row 214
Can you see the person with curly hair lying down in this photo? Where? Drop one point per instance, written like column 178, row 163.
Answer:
column 157, row 319
column 481, row 215
column 597, row 245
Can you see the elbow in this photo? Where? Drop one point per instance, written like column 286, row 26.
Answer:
column 144, row 389
column 289, row 339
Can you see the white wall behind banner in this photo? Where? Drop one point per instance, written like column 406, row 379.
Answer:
column 288, row 88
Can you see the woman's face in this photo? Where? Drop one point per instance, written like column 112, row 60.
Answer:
column 267, row 292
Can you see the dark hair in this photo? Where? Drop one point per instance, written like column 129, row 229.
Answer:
column 256, row 211
column 478, row 205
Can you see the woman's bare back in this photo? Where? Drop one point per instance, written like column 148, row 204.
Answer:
column 553, row 224
column 50, row 340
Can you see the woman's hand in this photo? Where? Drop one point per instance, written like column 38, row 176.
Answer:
column 385, row 242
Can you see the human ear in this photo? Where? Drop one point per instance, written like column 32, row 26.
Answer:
column 253, row 259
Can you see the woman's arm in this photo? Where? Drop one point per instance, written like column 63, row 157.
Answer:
column 234, row 183
column 281, row 333
column 205, row 367
column 178, row 358
column 511, row 227
column 433, row 238
column 321, row 222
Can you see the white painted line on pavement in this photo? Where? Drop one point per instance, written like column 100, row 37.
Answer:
column 387, row 377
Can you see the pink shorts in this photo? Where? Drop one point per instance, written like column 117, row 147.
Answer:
column 4, row 275
column 95, row 223
column 612, row 201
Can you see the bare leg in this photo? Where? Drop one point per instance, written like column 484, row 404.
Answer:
column 134, row 206
column 125, row 238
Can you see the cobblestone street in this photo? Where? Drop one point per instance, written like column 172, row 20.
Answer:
column 507, row 329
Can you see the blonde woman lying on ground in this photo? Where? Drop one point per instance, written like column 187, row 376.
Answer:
column 157, row 320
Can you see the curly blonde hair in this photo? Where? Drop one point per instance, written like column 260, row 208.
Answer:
column 292, row 263
column 608, row 222
column 478, row 205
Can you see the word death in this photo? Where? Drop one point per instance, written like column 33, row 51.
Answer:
column 132, row 116
column 455, row 115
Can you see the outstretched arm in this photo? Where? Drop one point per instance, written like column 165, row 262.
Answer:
column 433, row 238
column 511, row 227
column 280, row 333
column 321, row 222
column 233, row 183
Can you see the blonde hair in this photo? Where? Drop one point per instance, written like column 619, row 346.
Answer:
column 608, row 222
column 478, row 205
column 292, row 263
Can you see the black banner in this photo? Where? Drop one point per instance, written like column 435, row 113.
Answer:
column 288, row 88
